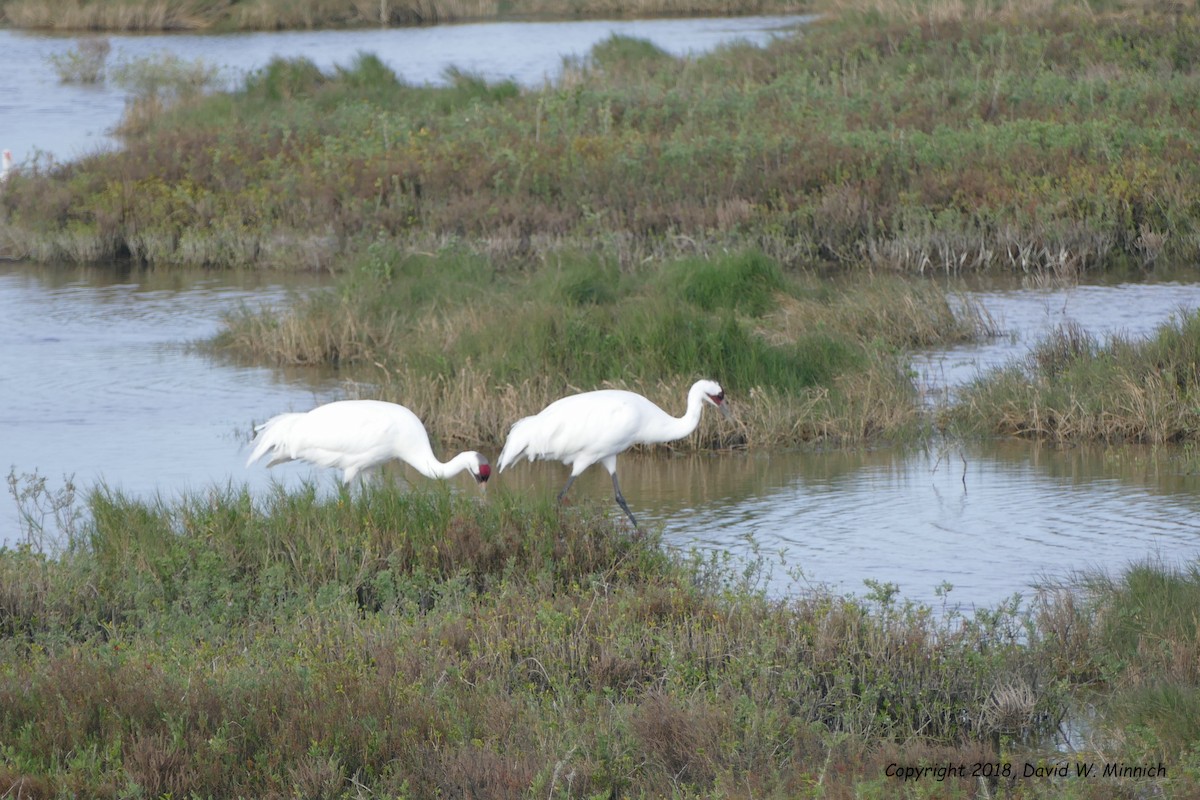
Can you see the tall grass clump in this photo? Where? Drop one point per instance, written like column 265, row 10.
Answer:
column 465, row 89
column 748, row 282
column 85, row 63
column 1141, row 656
column 626, row 56
column 156, row 83
column 1072, row 387
column 283, row 79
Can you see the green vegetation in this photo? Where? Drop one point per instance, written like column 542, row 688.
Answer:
column 471, row 349
column 1035, row 136
column 1073, row 388
column 421, row 644
column 86, row 63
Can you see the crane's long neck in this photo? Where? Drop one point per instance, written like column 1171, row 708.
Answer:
column 672, row 428
column 430, row 467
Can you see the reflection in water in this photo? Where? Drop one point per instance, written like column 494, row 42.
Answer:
column 991, row 519
column 98, row 382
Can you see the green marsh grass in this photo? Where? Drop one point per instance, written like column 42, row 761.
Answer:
column 1142, row 639
column 1073, row 387
column 384, row 642
column 925, row 137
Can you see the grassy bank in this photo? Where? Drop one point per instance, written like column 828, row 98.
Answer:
column 472, row 349
column 266, row 15
column 1037, row 136
column 1073, row 387
column 427, row 644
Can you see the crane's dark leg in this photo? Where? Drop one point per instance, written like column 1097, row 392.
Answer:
column 622, row 503
column 563, row 493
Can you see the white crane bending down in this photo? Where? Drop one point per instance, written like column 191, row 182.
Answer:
column 582, row 429
column 357, row 436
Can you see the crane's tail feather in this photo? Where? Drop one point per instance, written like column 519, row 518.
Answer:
column 516, row 446
column 272, row 437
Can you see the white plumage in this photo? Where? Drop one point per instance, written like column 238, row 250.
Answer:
column 356, row 436
column 583, row 429
column 6, row 163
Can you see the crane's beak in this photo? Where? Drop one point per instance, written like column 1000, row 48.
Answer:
column 718, row 400
column 481, row 478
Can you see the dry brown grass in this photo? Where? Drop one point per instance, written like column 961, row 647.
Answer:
column 123, row 15
column 15, row 784
column 902, row 313
column 941, row 11
column 327, row 332
column 190, row 15
column 683, row 738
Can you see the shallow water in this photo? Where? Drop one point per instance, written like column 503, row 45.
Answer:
column 989, row 519
column 98, row 381
column 37, row 113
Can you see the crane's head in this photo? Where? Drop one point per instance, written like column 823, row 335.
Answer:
column 713, row 393
column 480, row 470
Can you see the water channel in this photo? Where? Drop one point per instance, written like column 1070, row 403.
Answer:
column 98, row 379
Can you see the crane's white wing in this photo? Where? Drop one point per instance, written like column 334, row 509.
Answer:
column 580, row 429
column 349, row 434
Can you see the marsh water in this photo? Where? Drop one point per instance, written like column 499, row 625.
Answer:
column 99, row 380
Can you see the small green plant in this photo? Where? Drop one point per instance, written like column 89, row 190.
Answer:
column 50, row 518
column 167, row 77
column 85, row 63
column 283, row 79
